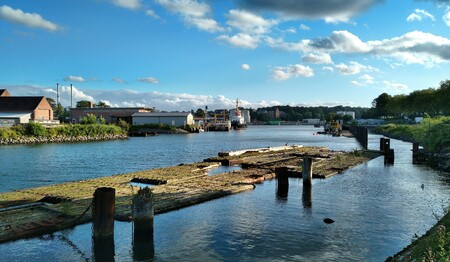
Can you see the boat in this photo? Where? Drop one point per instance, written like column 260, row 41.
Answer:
column 237, row 120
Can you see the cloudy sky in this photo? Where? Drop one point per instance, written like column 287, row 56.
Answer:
column 187, row 54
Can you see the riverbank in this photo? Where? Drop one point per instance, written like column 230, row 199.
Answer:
column 48, row 209
column 59, row 139
column 432, row 134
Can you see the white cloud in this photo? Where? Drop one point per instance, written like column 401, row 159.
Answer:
column 249, row 23
column 194, row 13
column 392, row 86
column 128, row 4
column 27, row 19
column 319, row 58
column 77, row 95
column 328, row 68
column 150, row 80
column 415, row 47
column 363, row 80
column 152, row 13
column 119, row 80
column 419, row 15
column 446, row 18
column 283, row 73
column 241, row 40
column 304, row 27
column 245, row 67
column 74, row 79
column 353, row 68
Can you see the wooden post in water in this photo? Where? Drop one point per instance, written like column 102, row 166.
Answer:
column 103, row 212
column 415, row 152
column 307, row 171
column 143, row 214
column 382, row 144
column 103, row 224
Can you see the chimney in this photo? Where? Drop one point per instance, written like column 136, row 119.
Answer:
column 57, row 93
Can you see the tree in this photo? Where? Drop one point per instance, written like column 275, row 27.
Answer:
column 59, row 110
column 200, row 113
column 102, row 104
column 381, row 105
column 83, row 103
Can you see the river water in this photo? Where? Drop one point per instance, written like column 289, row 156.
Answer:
column 377, row 209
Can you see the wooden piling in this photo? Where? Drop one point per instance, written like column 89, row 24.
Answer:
column 103, row 213
column 415, row 153
column 307, row 196
column 307, row 170
column 143, row 214
column 382, row 144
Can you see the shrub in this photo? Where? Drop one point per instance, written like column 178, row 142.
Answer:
column 35, row 129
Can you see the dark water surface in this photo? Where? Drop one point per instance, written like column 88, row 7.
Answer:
column 377, row 209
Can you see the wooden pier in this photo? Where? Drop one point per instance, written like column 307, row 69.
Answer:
column 35, row 211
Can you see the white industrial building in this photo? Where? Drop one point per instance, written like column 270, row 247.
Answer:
column 172, row 119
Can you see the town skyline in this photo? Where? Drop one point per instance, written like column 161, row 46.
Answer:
column 188, row 54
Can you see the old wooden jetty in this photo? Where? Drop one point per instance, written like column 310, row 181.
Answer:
column 34, row 211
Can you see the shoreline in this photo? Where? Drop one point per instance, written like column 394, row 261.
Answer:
column 66, row 205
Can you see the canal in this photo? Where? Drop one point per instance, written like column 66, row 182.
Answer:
column 377, row 209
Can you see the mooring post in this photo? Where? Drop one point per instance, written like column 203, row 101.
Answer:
column 103, row 212
column 365, row 138
column 307, row 171
column 382, row 144
column 415, row 152
column 143, row 214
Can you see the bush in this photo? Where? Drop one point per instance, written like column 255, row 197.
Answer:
column 123, row 124
column 35, row 129
column 89, row 119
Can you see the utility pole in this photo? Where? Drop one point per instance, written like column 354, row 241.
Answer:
column 57, row 94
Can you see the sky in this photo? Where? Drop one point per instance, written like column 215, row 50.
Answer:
column 178, row 55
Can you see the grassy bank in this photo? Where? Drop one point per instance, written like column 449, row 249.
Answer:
column 433, row 135
column 70, row 131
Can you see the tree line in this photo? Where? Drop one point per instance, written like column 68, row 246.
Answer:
column 431, row 101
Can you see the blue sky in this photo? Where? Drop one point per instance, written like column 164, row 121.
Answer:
column 186, row 54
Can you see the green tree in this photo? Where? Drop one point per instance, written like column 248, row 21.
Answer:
column 83, row 103
column 102, row 104
column 52, row 103
column 89, row 119
column 381, row 105
column 200, row 113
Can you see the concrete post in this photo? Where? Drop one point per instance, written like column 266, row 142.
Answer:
column 307, row 171
column 103, row 213
column 143, row 214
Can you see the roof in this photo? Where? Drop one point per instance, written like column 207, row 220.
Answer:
column 4, row 92
column 14, row 115
column 159, row 114
column 19, row 103
column 109, row 108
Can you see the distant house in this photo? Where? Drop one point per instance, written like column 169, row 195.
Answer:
column 23, row 109
column 173, row 119
column 110, row 114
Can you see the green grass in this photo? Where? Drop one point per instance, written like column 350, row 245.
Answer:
column 432, row 133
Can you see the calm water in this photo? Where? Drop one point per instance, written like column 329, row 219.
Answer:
column 377, row 208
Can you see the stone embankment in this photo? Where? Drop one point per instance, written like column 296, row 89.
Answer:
column 59, row 139
column 66, row 205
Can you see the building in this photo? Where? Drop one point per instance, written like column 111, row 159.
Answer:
column 110, row 114
column 4, row 92
column 23, row 109
column 346, row 113
column 172, row 119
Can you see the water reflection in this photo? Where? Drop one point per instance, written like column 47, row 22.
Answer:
column 143, row 244
column 103, row 249
column 307, row 196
